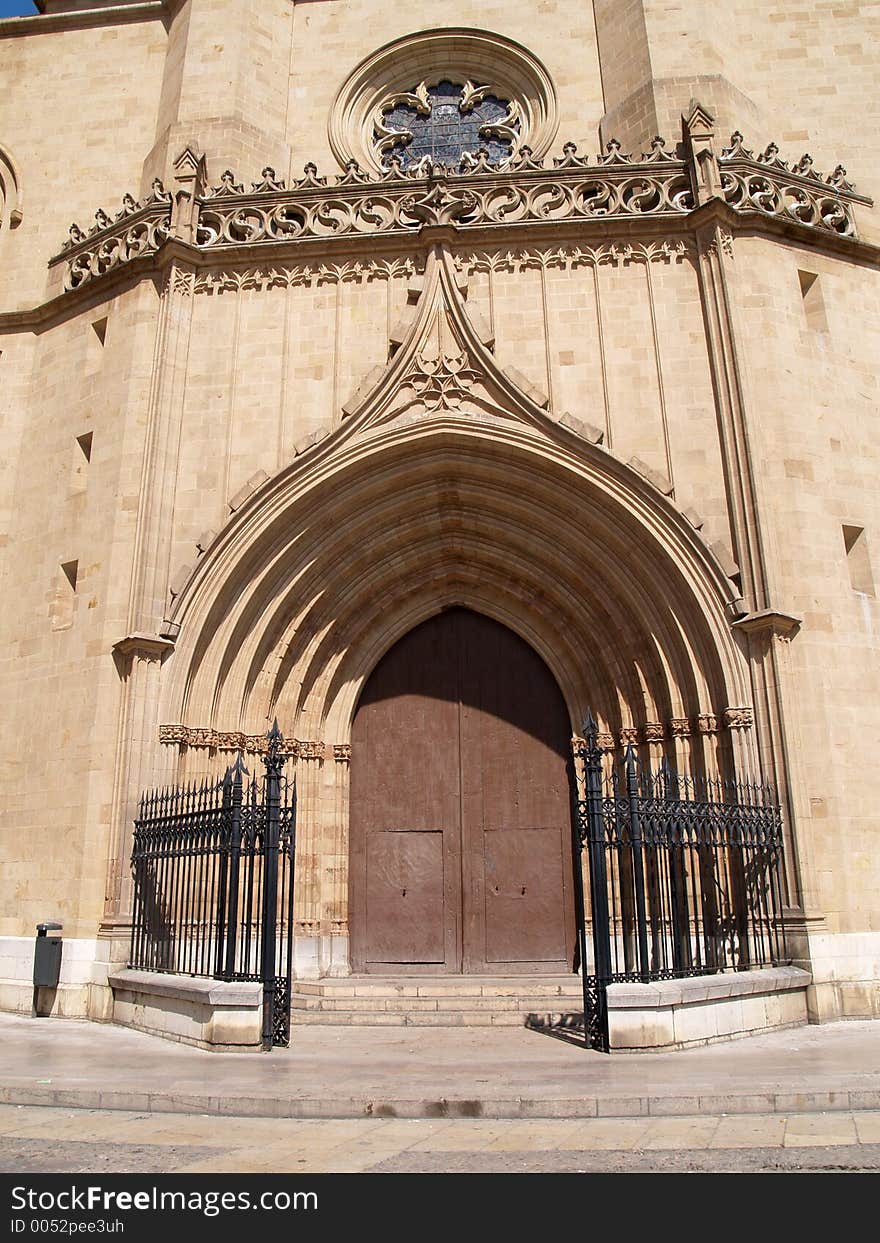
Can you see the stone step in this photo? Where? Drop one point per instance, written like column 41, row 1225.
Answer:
column 364, row 1005
column 438, row 1001
column 442, row 986
column 430, row 1018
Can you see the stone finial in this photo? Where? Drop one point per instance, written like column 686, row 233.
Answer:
column 190, row 176
column 699, row 135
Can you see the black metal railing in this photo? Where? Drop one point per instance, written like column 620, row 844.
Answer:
column 684, row 876
column 213, row 869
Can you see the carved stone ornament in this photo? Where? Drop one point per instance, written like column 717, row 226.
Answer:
column 523, row 258
column 680, row 727
column 655, row 731
column 400, row 201
column 737, row 718
column 629, row 734
column 342, row 752
column 310, row 750
column 291, row 275
column 442, row 383
column 604, row 742
column 150, row 648
column 220, row 740
column 707, row 723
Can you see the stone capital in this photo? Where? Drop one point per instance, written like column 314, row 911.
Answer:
column 144, row 646
column 771, row 622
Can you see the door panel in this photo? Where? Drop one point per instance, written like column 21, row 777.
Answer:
column 405, row 898
column 460, row 796
column 405, row 777
column 524, row 920
column 514, row 747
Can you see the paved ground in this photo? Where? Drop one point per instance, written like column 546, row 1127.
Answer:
column 376, row 1072
column 37, row 1139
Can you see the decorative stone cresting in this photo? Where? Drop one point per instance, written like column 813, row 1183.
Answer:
column 474, row 195
column 233, row 740
column 675, row 727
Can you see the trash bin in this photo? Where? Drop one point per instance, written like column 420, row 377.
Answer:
column 47, row 956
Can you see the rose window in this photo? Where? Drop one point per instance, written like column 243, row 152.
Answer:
column 447, row 123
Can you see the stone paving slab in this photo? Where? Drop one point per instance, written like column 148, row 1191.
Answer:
column 39, row 1139
column 435, row 1073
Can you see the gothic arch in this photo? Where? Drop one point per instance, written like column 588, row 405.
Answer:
column 331, row 562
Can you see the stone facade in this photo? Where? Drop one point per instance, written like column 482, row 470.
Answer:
column 279, row 400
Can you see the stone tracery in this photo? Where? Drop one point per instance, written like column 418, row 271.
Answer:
column 521, row 194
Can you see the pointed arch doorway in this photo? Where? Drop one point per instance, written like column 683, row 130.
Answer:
column 460, row 807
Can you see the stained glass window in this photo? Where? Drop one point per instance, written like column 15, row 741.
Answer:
column 446, row 121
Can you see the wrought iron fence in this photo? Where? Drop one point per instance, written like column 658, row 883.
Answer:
column 684, row 874
column 213, row 869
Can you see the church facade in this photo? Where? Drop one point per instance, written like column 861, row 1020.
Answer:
column 422, row 378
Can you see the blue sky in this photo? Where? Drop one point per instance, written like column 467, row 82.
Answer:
column 16, row 8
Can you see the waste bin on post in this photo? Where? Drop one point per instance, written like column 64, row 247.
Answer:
column 47, row 960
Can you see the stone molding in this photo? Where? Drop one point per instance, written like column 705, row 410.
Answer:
column 287, row 275
column 57, row 15
column 675, row 727
column 522, row 258
column 399, row 203
column 235, row 740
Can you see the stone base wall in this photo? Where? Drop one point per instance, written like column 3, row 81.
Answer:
column 218, row 1017
column 679, row 1014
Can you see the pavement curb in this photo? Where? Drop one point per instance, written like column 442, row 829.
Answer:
column 578, row 1107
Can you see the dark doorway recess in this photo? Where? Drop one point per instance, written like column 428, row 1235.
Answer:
column 460, row 807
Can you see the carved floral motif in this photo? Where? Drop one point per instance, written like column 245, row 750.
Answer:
column 282, row 276
column 310, row 750
column 224, row 740
column 521, row 258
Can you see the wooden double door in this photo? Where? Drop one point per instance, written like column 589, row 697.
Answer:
column 460, row 807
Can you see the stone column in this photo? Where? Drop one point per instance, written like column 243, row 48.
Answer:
column 337, row 871
column 655, row 733
column 707, row 729
column 138, row 660
column 769, row 634
column 307, row 954
column 680, row 733
column 140, row 654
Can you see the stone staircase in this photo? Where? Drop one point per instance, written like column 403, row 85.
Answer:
column 437, row 1001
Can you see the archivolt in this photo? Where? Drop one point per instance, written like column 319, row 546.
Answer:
column 338, row 556
column 11, row 200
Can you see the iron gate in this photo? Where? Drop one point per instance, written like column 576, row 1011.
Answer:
column 213, row 868
column 684, row 876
